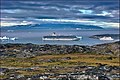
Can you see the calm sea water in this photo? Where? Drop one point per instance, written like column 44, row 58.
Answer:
column 35, row 36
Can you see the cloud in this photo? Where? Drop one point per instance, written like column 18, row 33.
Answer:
column 86, row 11
column 3, row 23
column 106, row 11
column 11, row 11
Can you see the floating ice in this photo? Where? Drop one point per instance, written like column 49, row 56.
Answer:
column 14, row 38
column 8, row 38
column 106, row 38
column 4, row 38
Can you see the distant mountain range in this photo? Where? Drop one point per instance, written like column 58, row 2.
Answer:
column 54, row 26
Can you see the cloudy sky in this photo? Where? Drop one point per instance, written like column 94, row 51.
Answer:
column 104, row 13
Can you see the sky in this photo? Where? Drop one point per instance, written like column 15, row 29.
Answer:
column 103, row 13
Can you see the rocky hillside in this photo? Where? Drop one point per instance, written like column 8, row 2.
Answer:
column 108, row 48
column 30, row 50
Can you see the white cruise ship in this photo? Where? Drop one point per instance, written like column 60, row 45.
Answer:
column 61, row 37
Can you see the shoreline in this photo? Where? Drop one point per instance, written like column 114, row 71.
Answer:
column 30, row 50
column 58, row 44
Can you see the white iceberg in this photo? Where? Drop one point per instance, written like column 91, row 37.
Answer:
column 4, row 38
column 106, row 38
column 14, row 38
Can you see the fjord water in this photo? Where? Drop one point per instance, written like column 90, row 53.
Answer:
column 35, row 36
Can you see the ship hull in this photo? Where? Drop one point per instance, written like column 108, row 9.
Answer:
column 60, row 39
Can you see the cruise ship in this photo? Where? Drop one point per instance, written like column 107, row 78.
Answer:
column 61, row 37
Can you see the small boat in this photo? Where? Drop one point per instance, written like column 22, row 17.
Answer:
column 106, row 38
column 61, row 37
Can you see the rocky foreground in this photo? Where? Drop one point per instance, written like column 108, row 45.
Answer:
column 30, row 50
column 59, row 62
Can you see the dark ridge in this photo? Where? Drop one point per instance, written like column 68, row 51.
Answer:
column 30, row 50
